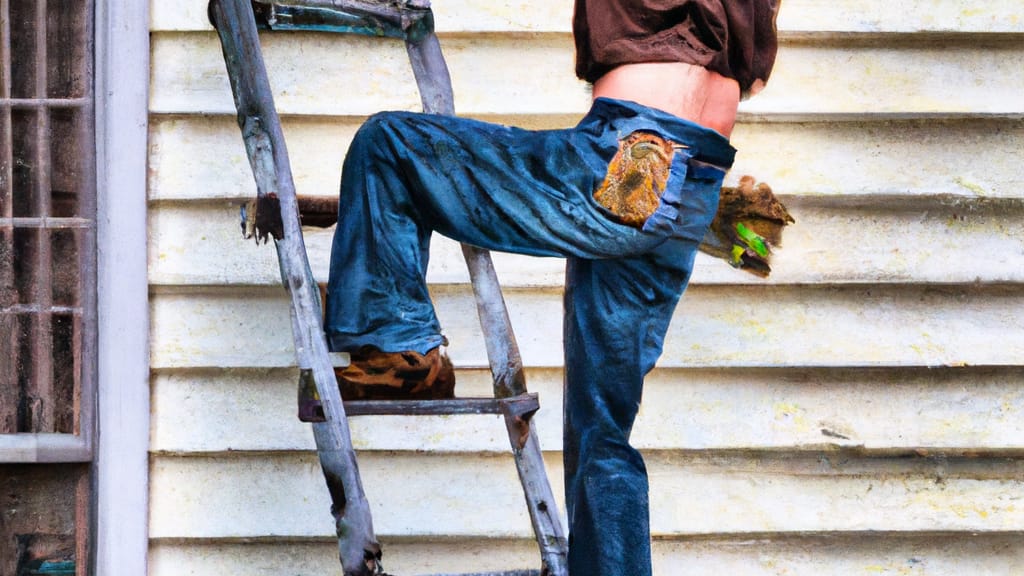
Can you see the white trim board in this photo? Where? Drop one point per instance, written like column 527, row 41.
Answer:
column 121, row 465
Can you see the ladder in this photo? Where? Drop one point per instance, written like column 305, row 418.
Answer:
column 275, row 213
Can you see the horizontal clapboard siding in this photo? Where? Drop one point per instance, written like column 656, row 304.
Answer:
column 857, row 414
column 862, row 77
column 874, row 410
column 858, row 240
column 691, row 494
column 798, row 16
column 735, row 326
column 971, row 158
column 863, row 554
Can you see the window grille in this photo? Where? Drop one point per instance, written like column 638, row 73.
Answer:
column 47, row 227
column 47, row 284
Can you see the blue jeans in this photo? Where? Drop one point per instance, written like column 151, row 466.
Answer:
column 531, row 192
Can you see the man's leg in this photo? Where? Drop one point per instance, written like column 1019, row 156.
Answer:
column 616, row 315
column 532, row 193
column 492, row 186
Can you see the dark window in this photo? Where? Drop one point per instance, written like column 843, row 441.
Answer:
column 47, row 214
column 47, row 284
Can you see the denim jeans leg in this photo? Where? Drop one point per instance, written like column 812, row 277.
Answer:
column 497, row 187
column 616, row 315
column 501, row 188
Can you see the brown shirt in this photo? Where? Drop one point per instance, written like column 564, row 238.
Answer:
column 735, row 38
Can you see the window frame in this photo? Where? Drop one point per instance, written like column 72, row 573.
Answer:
column 76, row 446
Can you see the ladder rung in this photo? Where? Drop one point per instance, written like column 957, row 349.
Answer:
column 524, row 403
column 366, row 17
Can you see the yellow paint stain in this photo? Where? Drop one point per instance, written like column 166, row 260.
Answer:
column 791, row 414
column 944, row 503
column 435, row 439
column 1009, row 404
column 511, row 16
column 963, row 511
column 972, row 12
column 972, row 186
column 878, row 569
column 748, row 327
column 755, row 328
column 928, row 349
column 706, row 407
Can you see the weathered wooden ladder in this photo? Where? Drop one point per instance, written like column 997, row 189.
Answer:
column 412, row 21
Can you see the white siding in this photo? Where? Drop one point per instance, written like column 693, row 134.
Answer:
column 860, row 413
column 863, row 76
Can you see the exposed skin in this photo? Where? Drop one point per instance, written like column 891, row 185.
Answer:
column 691, row 92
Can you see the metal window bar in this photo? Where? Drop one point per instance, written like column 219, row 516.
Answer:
column 48, row 103
column 8, row 378
column 39, row 412
column 47, row 231
column 261, row 131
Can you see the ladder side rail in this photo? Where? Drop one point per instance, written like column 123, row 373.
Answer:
column 359, row 550
column 434, row 82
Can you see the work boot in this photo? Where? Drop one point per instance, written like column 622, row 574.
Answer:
column 377, row 375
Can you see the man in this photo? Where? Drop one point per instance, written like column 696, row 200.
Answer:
column 667, row 77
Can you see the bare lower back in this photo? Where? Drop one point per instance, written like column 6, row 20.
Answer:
column 688, row 91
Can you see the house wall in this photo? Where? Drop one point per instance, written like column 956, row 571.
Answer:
column 858, row 413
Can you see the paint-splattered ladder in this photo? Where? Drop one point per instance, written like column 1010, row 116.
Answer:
column 276, row 212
